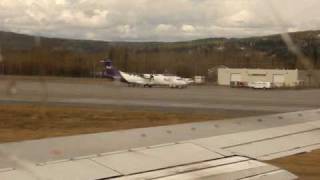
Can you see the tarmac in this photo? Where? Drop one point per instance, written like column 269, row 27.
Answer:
column 100, row 92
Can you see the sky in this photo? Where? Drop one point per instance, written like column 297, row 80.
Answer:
column 157, row 20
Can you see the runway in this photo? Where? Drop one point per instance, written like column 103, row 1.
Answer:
column 87, row 92
column 23, row 122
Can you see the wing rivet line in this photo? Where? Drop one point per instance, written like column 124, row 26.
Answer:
column 259, row 120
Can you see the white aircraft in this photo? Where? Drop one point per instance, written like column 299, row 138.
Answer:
column 145, row 80
column 228, row 150
column 136, row 80
column 167, row 80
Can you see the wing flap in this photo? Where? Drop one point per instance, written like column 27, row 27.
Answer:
column 156, row 158
column 136, row 154
column 267, row 144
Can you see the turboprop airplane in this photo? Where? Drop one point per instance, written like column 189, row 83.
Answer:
column 136, row 80
column 223, row 150
column 145, row 80
column 167, row 80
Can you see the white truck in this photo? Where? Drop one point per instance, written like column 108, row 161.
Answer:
column 260, row 85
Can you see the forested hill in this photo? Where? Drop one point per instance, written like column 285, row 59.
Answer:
column 29, row 55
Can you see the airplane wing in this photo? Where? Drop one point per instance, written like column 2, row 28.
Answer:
column 134, row 79
column 227, row 149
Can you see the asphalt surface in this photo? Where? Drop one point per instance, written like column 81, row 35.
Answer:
column 105, row 93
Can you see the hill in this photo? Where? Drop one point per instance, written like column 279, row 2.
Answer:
column 28, row 55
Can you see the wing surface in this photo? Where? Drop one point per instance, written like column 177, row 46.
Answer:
column 227, row 149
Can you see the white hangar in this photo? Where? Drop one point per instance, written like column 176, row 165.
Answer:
column 278, row 77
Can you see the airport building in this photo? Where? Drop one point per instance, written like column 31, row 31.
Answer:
column 277, row 77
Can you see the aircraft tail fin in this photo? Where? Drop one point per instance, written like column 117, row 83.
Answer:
column 109, row 70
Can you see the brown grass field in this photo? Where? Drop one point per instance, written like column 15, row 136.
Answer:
column 306, row 166
column 25, row 122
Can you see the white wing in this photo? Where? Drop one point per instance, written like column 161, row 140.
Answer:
column 228, row 149
column 134, row 79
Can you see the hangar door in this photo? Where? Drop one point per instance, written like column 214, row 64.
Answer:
column 236, row 77
column 278, row 79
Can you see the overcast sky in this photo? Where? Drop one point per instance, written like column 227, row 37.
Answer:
column 157, row 20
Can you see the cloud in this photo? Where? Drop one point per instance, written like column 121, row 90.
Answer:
column 149, row 20
column 61, row 2
column 96, row 18
column 164, row 27
column 188, row 28
column 91, row 35
column 125, row 29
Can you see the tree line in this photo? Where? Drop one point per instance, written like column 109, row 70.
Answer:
column 184, row 59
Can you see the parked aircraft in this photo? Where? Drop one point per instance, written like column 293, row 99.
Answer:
column 136, row 80
column 145, row 80
column 167, row 80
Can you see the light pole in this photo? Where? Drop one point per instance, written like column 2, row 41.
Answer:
column 1, row 61
column 94, row 70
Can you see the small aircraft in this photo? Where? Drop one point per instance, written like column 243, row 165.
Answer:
column 145, row 80
column 136, row 80
column 167, row 80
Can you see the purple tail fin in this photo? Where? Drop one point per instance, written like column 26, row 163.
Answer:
column 110, row 71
